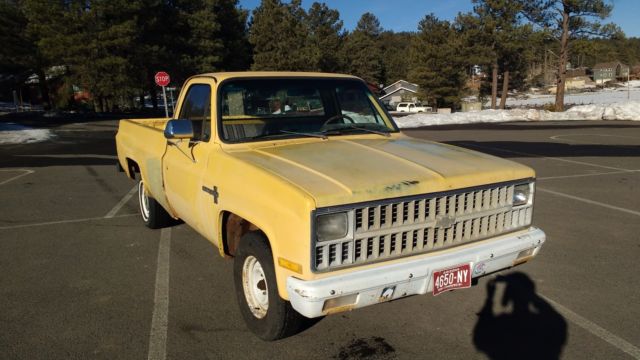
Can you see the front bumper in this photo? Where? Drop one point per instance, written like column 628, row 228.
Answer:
column 367, row 287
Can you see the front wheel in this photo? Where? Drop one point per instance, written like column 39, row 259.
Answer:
column 266, row 314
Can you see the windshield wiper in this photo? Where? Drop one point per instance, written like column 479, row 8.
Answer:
column 282, row 134
column 349, row 127
column 322, row 136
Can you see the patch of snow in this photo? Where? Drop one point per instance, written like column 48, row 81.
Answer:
column 604, row 96
column 17, row 134
column 8, row 107
column 619, row 111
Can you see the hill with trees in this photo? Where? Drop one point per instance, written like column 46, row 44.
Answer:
column 110, row 49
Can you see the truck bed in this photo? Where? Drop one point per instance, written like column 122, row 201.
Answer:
column 156, row 124
column 142, row 142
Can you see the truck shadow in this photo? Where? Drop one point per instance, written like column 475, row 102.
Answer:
column 524, row 326
column 520, row 126
column 524, row 149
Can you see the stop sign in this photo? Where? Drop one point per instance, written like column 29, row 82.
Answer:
column 162, row 78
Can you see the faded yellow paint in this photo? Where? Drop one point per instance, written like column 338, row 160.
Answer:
column 276, row 184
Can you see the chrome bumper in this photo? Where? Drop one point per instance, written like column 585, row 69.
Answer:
column 383, row 283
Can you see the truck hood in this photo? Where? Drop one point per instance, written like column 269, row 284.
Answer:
column 341, row 171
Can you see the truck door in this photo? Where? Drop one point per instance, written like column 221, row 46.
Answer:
column 185, row 162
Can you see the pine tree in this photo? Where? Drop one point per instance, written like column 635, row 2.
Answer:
column 112, row 48
column 93, row 40
column 498, row 38
column 162, row 38
column 216, row 36
column 395, row 62
column 570, row 20
column 280, row 37
column 19, row 53
column 234, row 34
column 325, row 37
column 16, row 47
column 206, row 47
column 363, row 51
column 436, row 62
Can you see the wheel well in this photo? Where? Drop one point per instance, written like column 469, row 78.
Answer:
column 132, row 168
column 233, row 228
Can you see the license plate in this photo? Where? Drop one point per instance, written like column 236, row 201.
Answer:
column 457, row 277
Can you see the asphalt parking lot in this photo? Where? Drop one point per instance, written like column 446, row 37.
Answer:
column 82, row 278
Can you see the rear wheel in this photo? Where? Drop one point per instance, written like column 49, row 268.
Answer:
column 153, row 214
column 266, row 314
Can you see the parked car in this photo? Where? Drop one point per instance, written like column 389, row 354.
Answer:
column 412, row 107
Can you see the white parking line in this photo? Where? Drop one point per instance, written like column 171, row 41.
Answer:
column 586, row 175
column 72, row 156
column 25, row 173
column 592, row 202
column 121, row 203
column 60, row 222
column 596, row 330
column 160, row 317
column 546, row 157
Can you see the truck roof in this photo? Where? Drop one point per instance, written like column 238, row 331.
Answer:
column 219, row 76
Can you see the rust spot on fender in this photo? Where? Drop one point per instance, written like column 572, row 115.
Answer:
column 235, row 228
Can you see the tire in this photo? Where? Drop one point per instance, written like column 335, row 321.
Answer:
column 153, row 214
column 266, row 314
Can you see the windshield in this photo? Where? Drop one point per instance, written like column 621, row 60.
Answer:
column 256, row 109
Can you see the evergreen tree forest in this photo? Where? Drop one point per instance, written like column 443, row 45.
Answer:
column 110, row 49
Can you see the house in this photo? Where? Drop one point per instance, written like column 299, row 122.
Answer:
column 610, row 71
column 399, row 91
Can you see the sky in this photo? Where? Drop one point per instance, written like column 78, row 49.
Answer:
column 404, row 15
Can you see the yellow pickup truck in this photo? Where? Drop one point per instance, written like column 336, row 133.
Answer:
column 305, row 181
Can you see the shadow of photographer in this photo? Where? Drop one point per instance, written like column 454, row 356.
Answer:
column 524, row 326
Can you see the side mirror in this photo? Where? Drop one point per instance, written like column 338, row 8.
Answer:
column 178, row 129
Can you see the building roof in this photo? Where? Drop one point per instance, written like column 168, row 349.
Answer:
column 397, row 86
column 395, row 91
column 609, row 65
column 401, row 84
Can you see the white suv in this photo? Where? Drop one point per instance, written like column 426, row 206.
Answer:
column 412, row 107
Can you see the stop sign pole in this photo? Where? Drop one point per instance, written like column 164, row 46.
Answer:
column 163, row 79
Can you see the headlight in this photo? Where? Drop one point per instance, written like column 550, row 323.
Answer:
column 332, row 226
column 523, row 194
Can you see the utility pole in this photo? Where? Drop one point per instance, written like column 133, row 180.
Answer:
column 173, row 109
column 545, row 77
column 628, row 85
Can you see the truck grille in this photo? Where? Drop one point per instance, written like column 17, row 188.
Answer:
column 422, row 224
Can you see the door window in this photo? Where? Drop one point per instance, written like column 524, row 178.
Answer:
column 197, row 108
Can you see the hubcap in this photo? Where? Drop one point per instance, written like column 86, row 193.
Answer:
column 143, row 199
column 255, row 287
